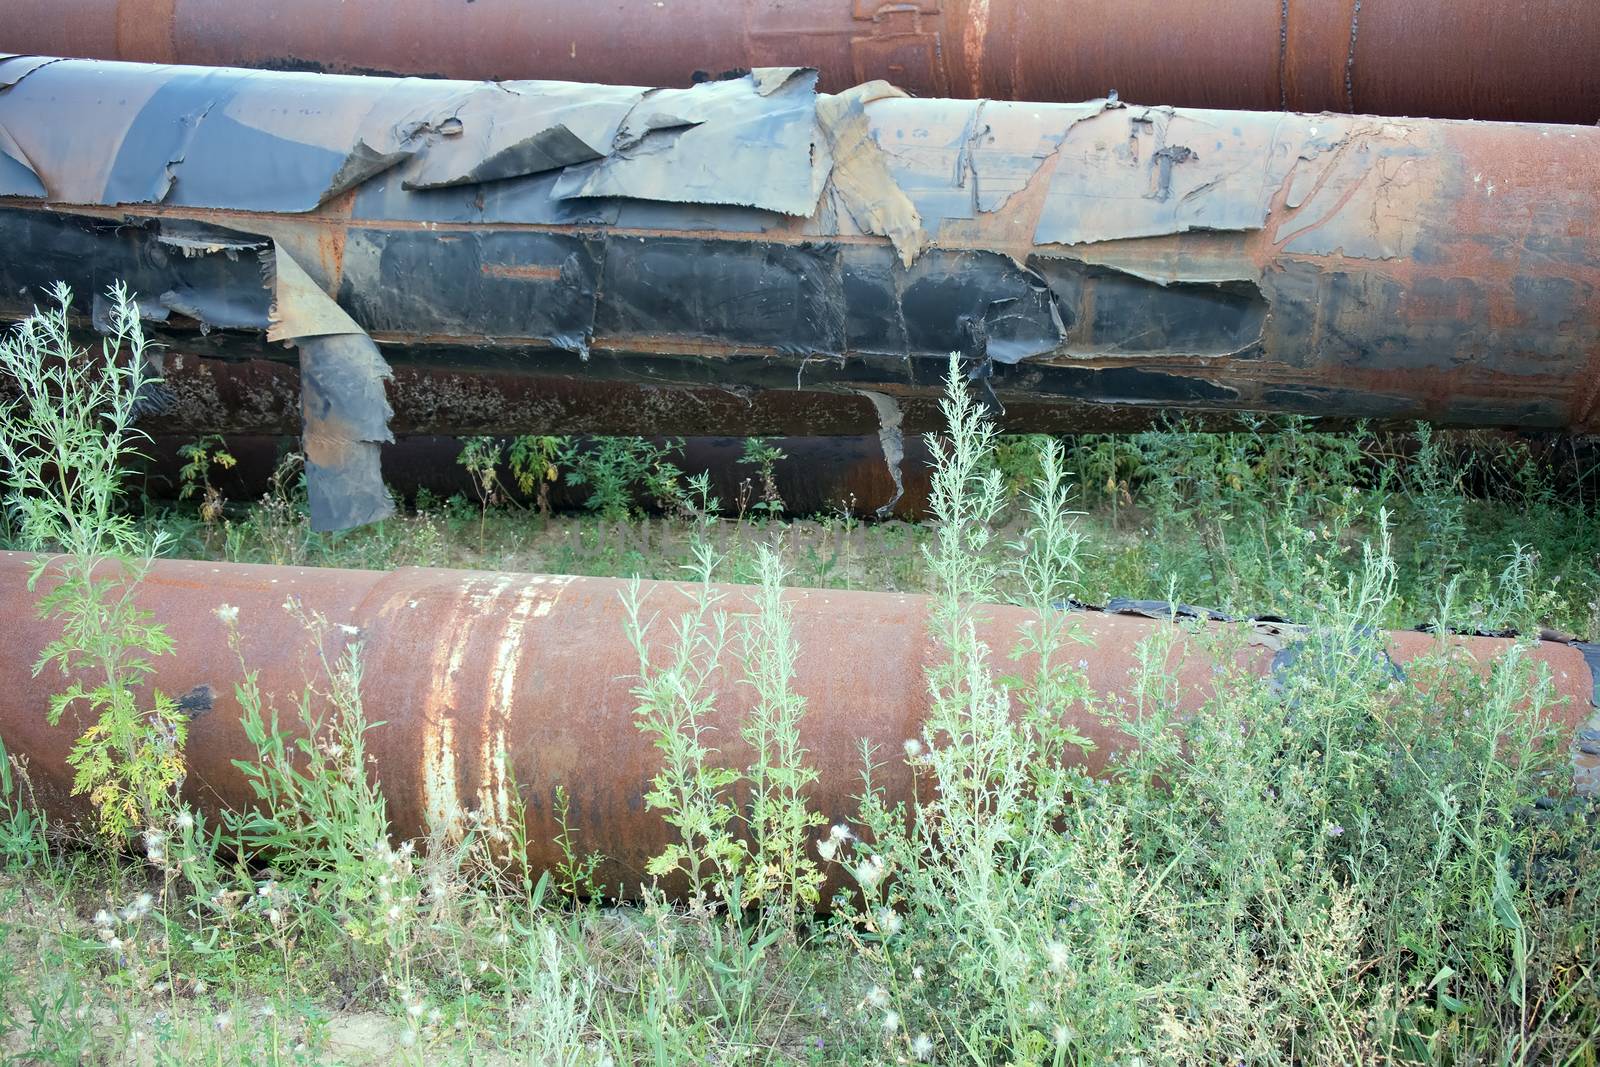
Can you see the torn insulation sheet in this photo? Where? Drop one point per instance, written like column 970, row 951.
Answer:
column 512, row 129
column 744, row 142
column 859, row 175
column 341, row 399
column 1147, row 171
column 891, row 438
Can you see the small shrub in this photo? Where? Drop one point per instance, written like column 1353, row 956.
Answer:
column 194, row 477
column 616, row 469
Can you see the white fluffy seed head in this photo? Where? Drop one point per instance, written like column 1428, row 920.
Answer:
column 869, row 872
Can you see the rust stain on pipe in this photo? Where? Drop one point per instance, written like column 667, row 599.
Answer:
column 1479, row 59
column 490, row 683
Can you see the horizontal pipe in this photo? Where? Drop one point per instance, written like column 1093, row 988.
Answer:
column 1472, row 59
column 812, row 258
column 212, row 392
column 497, row 689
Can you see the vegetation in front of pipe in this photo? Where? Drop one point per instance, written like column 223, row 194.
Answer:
column 1338, row 864
column 1232, row 519
column 1341, row 863
column 66, row 437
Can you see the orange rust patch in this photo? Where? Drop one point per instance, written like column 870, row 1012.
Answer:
column 145, row 31
column 1010, row 227
column 524, row 270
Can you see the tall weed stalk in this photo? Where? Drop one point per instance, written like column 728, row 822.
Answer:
column 65, row 438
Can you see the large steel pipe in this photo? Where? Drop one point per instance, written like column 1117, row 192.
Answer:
column 495, row 689
column 1473, row 59
column 1094, row 264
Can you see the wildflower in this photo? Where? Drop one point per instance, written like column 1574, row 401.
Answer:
column 916, row 973
column 839, row 832
column 1062, row 1034
column 200, row 987
column 408, row 1037
column 185, row 821
column 223, row 1020
column 878, row 997
column 115, row 945
column 103, row 918
column 888, row 921
column 350, row 631
column 394, row 913
column 1333, row 829
column 1058, row 955
column 434, row 1015
column 913, row 748
column 268, row 1011
column 274, row 916
column 228, row 613
column 828, row 849
column 891, row 1021
column 922, row 1047
column 266, row 888
column 414, row 1009
column 869, row 872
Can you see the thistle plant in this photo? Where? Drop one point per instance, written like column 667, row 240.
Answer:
column 65, row 437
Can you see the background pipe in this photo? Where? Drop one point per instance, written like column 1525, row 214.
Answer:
column 495, row 689
column 1471, row 59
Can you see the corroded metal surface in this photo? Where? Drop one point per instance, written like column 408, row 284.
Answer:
column 751, row 236
column 1481, row 59
column 495, row 689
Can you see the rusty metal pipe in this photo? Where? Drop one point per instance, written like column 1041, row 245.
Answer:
column 1473, row 59
column 496, row 689
column 813, row 259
